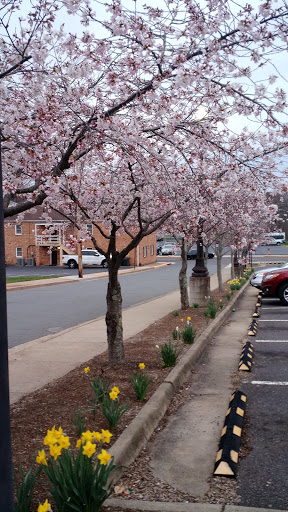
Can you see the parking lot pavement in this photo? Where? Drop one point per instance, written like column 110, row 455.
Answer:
column 262, row 476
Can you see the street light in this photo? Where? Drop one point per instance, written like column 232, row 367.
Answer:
column 200, row 269
column 6, row 481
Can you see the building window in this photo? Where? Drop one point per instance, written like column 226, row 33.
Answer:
column 18, row 229
column 151, row 250
column 145, row 251
column 19, row 252
column 89, row 229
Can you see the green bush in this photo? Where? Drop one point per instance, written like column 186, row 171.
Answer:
column 195, row 305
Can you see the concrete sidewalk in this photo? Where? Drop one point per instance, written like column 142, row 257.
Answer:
column 37, row 363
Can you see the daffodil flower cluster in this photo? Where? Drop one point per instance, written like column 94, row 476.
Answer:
column 56, row 441
column 88, row 442
column 114, row 393
column 233, row 281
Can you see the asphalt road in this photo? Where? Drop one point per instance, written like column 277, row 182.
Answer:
column 262, row 476
column 33, row 313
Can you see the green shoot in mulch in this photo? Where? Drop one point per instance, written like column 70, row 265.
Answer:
column 212, row 308
column 169, row 354
column 188, row 335
column 112, row 410
column 140, row 383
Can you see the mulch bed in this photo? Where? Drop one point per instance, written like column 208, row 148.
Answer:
column 57, row 403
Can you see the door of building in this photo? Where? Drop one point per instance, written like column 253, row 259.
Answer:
column 54, row 256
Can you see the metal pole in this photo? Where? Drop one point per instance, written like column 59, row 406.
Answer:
column 6, row 481
column 200, row 269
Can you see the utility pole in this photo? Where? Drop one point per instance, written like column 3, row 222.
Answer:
column 6, row 481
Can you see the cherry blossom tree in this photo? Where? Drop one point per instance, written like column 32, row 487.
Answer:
column 147, row 73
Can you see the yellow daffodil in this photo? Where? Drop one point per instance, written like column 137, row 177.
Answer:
column 113, row 395
column 104, row 457
column 41, row 458
column 89, row 449
column 46, row 507
column 188, row 317
column 220, row 300
column 115, row 390
column 55, row 451
column 87, row 436
column 141, row 366
column 87, row 369
column 182, row 319
column 97, row 436
column 79, row 443
column 64, row 442
column 106, row 436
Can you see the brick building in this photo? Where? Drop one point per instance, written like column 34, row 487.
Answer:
column 30, row 243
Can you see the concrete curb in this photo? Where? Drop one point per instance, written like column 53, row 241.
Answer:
column 135, row 436
column 161, row 506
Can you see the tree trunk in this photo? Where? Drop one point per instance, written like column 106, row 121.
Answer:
column 183, row 277
column 219, row 268
column 80, row 263
column 114, row 316
column 232, row 265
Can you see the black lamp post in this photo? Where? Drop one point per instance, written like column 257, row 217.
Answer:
column 6, row 481
column 200, row 269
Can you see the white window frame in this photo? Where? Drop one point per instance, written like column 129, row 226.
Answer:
column 19, row 249
column 17, row 226
column 89, row 229
column 152, row 250
column 145, row 251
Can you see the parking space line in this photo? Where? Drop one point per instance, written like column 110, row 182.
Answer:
column 273, row 307
column 271, row 320
column 269, row 383
column 271, row 341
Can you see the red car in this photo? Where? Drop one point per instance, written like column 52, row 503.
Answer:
column 275, row 283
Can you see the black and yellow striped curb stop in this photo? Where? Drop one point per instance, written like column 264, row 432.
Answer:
column 256, row 313
column 252, row 328
column 259, row 299
column 245, row 362
column 229, row 446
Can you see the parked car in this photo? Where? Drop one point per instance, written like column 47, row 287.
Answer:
column 275, row 284
column 159, row 246
column 168, row 248
column 88, row 258
column 272, row 241
column 258, row 275
column 192, row 253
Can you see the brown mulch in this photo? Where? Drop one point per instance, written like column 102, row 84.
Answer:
column 57, row 403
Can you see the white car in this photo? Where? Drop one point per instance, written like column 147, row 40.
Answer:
column 272, row 241
column 89, row 258
column 168, row 248
column 258, row 276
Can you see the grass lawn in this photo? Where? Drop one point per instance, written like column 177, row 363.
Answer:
column 20, row 279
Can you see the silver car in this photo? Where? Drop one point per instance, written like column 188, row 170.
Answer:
column 258, row 276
